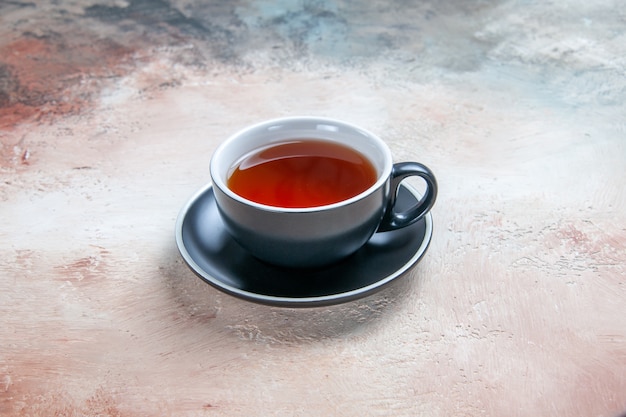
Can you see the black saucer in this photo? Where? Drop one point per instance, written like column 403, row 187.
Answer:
column 217, row 259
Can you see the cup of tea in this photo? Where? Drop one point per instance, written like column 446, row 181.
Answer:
column 306, row 192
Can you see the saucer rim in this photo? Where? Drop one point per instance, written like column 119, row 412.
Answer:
column 313, row 301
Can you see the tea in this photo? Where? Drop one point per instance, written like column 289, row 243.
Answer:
column 302, row 173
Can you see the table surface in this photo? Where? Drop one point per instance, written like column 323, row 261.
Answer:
column 110, row 111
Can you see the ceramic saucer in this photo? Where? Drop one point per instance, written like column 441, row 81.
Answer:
column 216, row 258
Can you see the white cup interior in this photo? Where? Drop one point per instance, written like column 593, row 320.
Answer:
column 228, row 154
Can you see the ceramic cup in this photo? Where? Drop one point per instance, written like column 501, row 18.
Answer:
column 315, row 236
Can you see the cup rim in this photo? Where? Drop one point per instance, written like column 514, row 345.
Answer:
column 219, row 182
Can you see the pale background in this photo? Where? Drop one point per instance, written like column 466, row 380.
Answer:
column 110, row 111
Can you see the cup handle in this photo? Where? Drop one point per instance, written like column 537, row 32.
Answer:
column 393, row 220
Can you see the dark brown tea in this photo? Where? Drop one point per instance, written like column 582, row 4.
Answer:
column 302, row 173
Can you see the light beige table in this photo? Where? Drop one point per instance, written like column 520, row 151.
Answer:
column 110, row 111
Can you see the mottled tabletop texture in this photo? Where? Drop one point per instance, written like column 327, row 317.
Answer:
column 111, row 109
